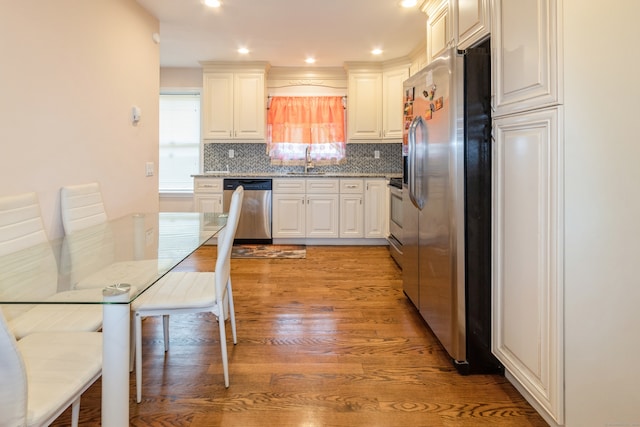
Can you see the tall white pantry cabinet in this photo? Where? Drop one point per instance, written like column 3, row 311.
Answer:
column 527, row 201
column 566, row 207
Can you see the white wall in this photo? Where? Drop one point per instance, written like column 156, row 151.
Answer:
column 602, row 184
column 176, row 78
column 70, row 71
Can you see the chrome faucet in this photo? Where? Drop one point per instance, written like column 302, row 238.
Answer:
column 308, row 164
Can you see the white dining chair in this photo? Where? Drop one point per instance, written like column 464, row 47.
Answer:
column 20, row 223
column 45, row 373
column 81, row 206
column 28, row 270
column 89, row 259
column 193, row 292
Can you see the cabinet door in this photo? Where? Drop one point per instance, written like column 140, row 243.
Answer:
column 474, row 22
column 528, row 253
column 322, row 215
column 438, row 30
column 217, row 106
column 249, row 106
column 418, row 63
column 351, row 216
column 392, row 104
column 525, row 42
column 375, row 208
column 288, row 215
column 208, row 202
column 364, row 118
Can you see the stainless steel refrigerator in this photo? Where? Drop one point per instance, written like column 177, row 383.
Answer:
column 447, row 216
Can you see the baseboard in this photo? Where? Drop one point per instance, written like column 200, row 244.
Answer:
column 332, row 242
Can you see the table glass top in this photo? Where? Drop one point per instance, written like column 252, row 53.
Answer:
column 135, row 250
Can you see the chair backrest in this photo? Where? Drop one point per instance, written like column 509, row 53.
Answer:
column 28, row 268
column 81, row 206
column 225, row 243
column 20, row 223
column 13, row 379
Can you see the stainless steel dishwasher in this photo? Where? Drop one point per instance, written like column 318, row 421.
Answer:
column 254, row 225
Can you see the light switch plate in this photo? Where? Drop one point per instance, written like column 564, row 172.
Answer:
column 376, row 154
column 148, row 169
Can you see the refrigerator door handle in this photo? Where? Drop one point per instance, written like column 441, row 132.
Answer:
column 414, row 191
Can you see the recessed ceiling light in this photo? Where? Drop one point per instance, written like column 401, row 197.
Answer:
column 310, row 60
column 212, row 3
column 243, row 50
column 408, row 3
column 376, row 51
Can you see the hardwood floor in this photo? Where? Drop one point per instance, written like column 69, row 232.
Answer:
column 330, row 340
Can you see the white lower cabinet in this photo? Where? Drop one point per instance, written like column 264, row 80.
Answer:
column 207, row 194
column 305, row 208
column 375, row 208
column 528, row 254
column 289, row 215
column 351, row 208
column 322, row 215
column 329, row 208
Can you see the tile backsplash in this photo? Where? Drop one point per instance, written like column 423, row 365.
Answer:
column 252, row 158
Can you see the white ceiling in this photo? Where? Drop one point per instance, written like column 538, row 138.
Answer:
column 285, row 32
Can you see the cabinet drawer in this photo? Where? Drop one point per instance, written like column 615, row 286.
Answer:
column 207, row 185
column 289, row 186
column 323, row 186
column 351, row 186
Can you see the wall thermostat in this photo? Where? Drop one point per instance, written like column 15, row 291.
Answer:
column 135, row 114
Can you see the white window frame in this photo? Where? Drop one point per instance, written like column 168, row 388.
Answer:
column 187, row 190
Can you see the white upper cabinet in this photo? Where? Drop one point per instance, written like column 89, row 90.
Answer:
column 233, row 103
column 249, row 106
column 439, row 31
column 374, row 104
column 473, row 21
column 418, row 59
column 392, row 81
column 527, row 66
column 217, row 105
column 364, row 105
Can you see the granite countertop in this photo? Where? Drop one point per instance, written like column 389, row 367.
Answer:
column 224, row 174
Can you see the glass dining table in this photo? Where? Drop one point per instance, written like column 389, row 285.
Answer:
column 109, row 265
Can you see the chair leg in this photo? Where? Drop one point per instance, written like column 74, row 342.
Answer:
column 223, row 347
column 75, row 412
column 138, row 351
column 232, row 313
column 165, row 331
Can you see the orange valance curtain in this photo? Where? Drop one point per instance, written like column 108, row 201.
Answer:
column 296, row 122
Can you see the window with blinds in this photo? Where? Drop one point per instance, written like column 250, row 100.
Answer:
column 179, row 141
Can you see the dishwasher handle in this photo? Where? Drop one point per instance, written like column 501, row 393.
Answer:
column 247, row 183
